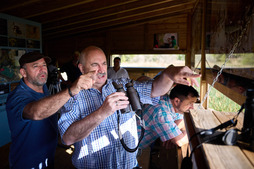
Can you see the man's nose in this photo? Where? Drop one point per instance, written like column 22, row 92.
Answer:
column 192, row 106
column 101, row 69
column 43, row 68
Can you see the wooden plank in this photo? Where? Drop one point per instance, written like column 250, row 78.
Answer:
column 126, row 18
column 199, row 161
column 225, row 116
column 144, row 158
column 250, row 155
column 223, row 156
column 203, row 91
column 112, row 23
column 218, row 156
column 236, row 97
column 38, row 7
column 203, row 83
column 188, row 42
column 144, row 8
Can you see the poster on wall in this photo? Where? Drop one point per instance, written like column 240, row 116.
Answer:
column 16, row 42
column 165, row 41
column 16, row 29
column 9, row 65
column 32, row 32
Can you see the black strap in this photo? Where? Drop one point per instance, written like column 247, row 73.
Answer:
column 121, row 138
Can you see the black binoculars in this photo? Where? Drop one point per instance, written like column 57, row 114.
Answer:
column 131, row 94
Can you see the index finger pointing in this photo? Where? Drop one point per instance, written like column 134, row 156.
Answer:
column 92, row 74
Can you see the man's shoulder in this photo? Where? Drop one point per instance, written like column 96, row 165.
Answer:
column 17, row 93
column 123, row 69
column 110, row 71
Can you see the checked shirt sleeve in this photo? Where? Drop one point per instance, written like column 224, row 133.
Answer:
column 69, row 114
column 165, row 126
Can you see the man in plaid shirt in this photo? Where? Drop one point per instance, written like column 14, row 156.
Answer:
column 89, row 119
column 165, row 120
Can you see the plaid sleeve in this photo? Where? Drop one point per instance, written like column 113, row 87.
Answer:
column 165, row 126
column 144, row 89
column 178, row 116
column 69, row 114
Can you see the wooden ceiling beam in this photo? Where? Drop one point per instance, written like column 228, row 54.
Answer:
column 8, row 5
column 113, row 25
column 34, row 8
column 107, row 15
column 75, row 12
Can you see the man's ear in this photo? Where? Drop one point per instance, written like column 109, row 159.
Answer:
column 22, row 71
column 80, row 66
column 176, row 101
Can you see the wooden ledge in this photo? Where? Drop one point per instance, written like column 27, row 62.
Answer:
column 215, row 156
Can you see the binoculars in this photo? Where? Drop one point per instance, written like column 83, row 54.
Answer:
column 132, row 94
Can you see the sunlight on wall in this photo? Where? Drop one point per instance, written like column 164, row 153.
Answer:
column 150, row 60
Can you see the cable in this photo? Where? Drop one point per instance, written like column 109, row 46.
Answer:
column 121, row 137
column 187, row 161
column 232, row 122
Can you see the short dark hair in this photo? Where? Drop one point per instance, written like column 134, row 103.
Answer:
column 182, row 91
column 117, row 58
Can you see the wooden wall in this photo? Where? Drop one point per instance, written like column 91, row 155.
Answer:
column 133, row 40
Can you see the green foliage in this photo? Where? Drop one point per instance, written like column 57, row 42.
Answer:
column 248, row 59
column 181, row 57
column 220, row 57
column 220, row 102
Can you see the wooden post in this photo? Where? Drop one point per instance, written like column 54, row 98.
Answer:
column 188, row 53
column 146, row 33
column 203, row 83
column 108, row 47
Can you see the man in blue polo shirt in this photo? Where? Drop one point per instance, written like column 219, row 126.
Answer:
column 32, row 113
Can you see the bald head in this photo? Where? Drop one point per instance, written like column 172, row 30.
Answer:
column 93, row 58
column 87, row 52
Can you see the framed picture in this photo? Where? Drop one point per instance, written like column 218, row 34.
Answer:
column 16, row 29
column 165, row 41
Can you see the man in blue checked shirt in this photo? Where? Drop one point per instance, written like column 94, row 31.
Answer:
column 89, row 119
column 165, row 120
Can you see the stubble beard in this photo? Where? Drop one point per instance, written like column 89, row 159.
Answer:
column 37, row 81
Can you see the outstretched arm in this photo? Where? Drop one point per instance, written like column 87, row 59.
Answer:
column 48, row 106
column 171, row 75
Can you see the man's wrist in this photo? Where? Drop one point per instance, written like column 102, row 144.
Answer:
column 69, row 91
